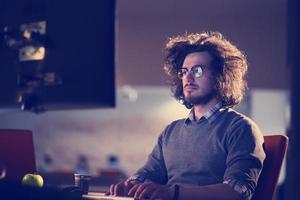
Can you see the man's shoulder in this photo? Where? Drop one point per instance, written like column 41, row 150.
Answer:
column 236, row 117
column 173, row 127
column 238, row 121
column 175, row 123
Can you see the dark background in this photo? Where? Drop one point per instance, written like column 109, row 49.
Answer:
column 80, row 45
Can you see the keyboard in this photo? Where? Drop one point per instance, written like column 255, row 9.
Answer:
column 101, row 196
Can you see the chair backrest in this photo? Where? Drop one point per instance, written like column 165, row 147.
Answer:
column 275, row 147
column 17, row 153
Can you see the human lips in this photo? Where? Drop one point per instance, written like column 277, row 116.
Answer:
column 190, row 87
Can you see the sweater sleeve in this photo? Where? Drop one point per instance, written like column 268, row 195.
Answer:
column 154, row 169
column 245, row 158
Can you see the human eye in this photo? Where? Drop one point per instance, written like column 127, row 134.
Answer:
column 197, row 70
column 181, row 72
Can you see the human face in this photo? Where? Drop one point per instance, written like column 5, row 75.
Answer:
column 198, row 90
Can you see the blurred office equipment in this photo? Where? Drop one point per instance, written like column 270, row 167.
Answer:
column 17, row 154
column 82, row 165
column 47, row 164
column 112, row 172
column 57, row 54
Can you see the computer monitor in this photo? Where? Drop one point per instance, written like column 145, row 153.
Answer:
column 68, row 63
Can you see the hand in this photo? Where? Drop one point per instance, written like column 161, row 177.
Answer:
column 151, row 191
column 122, row 188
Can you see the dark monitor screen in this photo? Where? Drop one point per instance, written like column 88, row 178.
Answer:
column 77, row 43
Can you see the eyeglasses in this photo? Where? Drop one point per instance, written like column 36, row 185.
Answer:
column 196, row 70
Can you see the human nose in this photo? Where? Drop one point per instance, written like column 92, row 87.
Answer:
column 189, row 75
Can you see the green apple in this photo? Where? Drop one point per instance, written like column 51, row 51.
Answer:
column 33, row 180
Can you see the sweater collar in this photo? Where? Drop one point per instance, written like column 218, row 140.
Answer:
column 209, row 115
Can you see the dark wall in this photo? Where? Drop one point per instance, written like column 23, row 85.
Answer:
column 256, row 27
column 291, row 189
column 80, row 47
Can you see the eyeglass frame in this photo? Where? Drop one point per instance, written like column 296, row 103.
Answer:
column 193, row 70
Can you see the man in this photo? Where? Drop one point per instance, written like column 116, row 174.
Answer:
column 215, row 153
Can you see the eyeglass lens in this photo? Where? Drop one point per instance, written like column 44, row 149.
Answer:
column 196, row 71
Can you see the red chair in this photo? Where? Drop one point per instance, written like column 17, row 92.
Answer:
column 17, row 153
column 275, row 147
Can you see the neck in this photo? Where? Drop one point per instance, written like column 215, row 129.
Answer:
column 201, row 109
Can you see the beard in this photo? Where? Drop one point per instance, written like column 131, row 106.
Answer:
column 200, row 99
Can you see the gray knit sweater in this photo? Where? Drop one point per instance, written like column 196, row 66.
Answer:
column 226, row 148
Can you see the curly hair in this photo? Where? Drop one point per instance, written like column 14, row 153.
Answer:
column 229, row 64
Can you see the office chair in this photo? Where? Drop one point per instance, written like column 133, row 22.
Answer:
column 275, row 147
